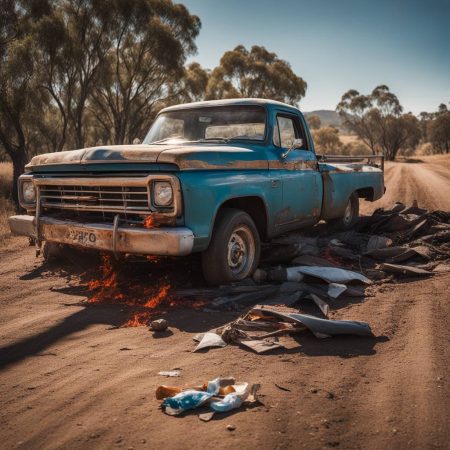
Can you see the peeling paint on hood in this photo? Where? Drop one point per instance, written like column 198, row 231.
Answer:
column 184, row 156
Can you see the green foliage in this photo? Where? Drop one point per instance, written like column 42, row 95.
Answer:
column 79, row 72
column 255, row 73
column 148, row 46
column 439, row 130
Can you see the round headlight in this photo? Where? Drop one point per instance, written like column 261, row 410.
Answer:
column 28, row 192
column 162, row 193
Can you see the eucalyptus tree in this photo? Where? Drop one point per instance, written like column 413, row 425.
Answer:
column 356, row 111
column 255, row 73
column 149, row 42
column 18, row 100
column 439, row 130
column 378, row 120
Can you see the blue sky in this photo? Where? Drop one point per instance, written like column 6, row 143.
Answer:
column 341, row 44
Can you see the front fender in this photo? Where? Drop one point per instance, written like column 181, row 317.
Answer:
column 205, row 191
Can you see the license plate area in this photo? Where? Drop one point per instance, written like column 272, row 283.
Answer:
column 86, row 238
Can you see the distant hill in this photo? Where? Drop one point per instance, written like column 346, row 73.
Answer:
column 327, row 117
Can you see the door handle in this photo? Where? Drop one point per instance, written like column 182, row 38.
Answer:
column 275, row 183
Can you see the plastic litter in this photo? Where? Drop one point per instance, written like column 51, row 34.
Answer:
column 229, row 402
column 170, row 373
column 184, row 401
column 219, row 394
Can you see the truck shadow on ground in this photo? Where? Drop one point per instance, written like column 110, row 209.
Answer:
column 114, row 316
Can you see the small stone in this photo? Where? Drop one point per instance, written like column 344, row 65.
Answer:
column 159, row 325
column 231, row 427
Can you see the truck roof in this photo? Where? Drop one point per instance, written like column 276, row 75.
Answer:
column 228, row 102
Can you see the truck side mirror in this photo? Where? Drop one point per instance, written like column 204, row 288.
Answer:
column 297, row 143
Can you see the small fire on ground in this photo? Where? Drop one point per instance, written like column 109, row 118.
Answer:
column 112, row 286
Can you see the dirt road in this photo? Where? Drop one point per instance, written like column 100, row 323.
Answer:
column 71, row 377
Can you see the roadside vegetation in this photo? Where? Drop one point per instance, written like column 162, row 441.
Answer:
column 376, row 124
column 6, row 203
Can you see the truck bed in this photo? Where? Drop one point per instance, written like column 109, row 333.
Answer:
column 342, row 175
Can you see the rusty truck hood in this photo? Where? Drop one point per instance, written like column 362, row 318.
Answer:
column 184, row 156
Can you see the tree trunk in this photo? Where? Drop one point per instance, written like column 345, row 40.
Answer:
column 19, row 159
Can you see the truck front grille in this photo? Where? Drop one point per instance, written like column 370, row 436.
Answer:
column 111, row 198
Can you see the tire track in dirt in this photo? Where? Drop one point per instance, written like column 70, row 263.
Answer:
column 406, row 407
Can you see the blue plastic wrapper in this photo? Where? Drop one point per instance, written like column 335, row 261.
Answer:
column 185, row 401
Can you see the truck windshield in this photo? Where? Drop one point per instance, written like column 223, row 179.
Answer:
column 209, row 124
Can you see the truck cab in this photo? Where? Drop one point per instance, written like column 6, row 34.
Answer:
column 214, row 177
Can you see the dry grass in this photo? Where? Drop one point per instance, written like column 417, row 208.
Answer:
column 6, row 204
column 348, row 138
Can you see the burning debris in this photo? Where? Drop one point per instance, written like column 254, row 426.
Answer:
column 115, row 285
column 150, row 222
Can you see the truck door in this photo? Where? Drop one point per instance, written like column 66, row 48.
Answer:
column 301, row 179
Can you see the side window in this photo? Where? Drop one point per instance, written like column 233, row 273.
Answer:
column 287, row 131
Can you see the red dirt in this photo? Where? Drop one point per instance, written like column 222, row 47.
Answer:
column 72, row 377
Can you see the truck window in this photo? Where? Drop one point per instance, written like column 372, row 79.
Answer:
column 286, row 130
column 239, row 122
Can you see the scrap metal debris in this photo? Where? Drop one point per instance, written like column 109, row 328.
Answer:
column 260, row 327
column 326, row 268
column 208, row 340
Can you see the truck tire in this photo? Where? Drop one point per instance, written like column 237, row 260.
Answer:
column 235, row 247
column 350, row 216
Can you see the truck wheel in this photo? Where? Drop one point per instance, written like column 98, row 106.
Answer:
column 350, row 216
column 234, row 250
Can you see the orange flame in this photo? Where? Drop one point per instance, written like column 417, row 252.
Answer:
column 113, row 288
column 149, row 222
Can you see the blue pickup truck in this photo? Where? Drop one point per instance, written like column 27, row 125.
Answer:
column 214, row 177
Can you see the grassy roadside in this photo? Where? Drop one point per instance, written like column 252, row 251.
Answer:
column 6, row 204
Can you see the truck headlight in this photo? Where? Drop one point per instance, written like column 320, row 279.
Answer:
column 162, row 193
column 28, row 192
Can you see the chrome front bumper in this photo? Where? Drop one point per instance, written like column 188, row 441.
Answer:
column 100, row 236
